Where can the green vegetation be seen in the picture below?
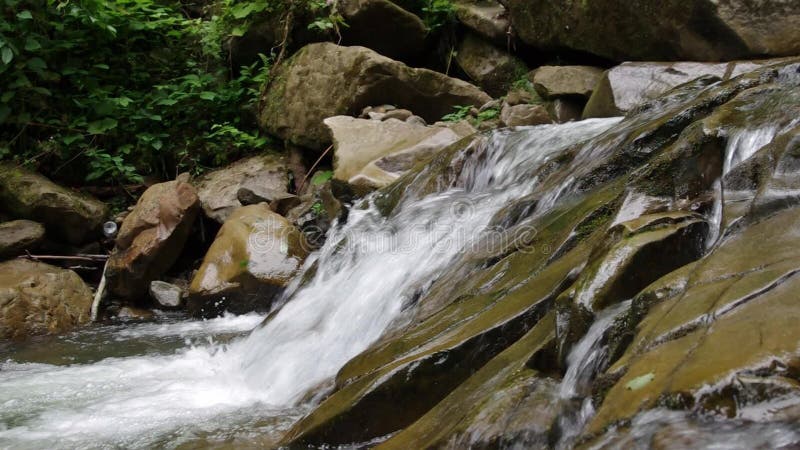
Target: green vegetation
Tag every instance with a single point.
(321, 176)
(122, 88)
(438, 13)
(460, 113)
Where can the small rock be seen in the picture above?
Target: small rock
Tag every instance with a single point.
(416, 120)
(399, 114)
(559, 81)
(282, 205)
(494, 104)
(131, 313)
(521, 96)
(524, 115)
(489, 67)
(165, 294)
(486, 18)
(376, 115)
(18, 236)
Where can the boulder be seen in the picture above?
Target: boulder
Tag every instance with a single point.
(36, 298)
(263, 175)
(402, 34)
(565, 109)
(486, 18)
(372, 153)
(151, 237)
(703, 30)
(254, 256)
(524, 115)
(324, 80)
(631, 84)
(19, 235)
(565, 81)
(66, 214)
(165, 294)
(492, 69)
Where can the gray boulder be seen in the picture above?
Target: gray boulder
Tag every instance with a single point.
(489, 67)
(19, 235)
(324, 80)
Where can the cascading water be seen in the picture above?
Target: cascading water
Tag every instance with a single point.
(368, 271)
(587, 359)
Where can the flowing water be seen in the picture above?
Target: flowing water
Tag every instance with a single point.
(180, 381)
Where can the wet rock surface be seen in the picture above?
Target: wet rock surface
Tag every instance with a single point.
(253, 257)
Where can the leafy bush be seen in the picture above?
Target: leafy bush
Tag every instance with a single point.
(113, 90)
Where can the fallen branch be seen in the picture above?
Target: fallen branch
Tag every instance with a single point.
(78, 257)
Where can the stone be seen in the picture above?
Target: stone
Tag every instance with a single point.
(705, 30)
(344, 81)
(487, 66)
(151, 238)
(376, 153)
(254, 256)
(524, 115)
(67, 215)
(165, 294)
(486, 18)
(36, 299)
(130, 313)
(402, 36)
(416, 120)
(624, 87)
(264, 175)
(523, 95)
(18, 236)
(565, 81)
(399, 114)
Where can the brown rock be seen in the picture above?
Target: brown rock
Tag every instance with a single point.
(36, 298)
(524, 115)
(18, 236)
(151, 238)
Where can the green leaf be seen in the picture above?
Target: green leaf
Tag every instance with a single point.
(208, 95)
(24, 15)
(6, 55)
(7, 96)
(32, 44)
(640, 382)
(69, 139)
(4, 112)
(36, 64)
(241, 10)
(321, 176)
(101, 126)
(41, 90)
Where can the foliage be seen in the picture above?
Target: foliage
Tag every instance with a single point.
(488, 114)
(460, 113)
(438, 13)
(110, 91)
(327, 18)
(321, 176)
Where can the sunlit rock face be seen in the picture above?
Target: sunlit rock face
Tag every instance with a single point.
(255, 254)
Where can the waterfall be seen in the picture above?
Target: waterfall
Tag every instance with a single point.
(367, 272)
(587, 359)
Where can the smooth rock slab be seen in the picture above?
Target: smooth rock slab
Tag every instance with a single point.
(373, 153)
(565, 81)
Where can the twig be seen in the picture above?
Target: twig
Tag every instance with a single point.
(311, 170)
(79, 257)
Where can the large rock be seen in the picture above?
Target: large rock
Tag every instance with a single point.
(68, 215)
(36, 298)
(565, 81)
(19, 235)
(402, 34)
(254, 256)
(151, 238)
(374, 154)
(324, 80)
(485, 17)
(219, 190)
(702, 30)
(489, 67)
(631, 84)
